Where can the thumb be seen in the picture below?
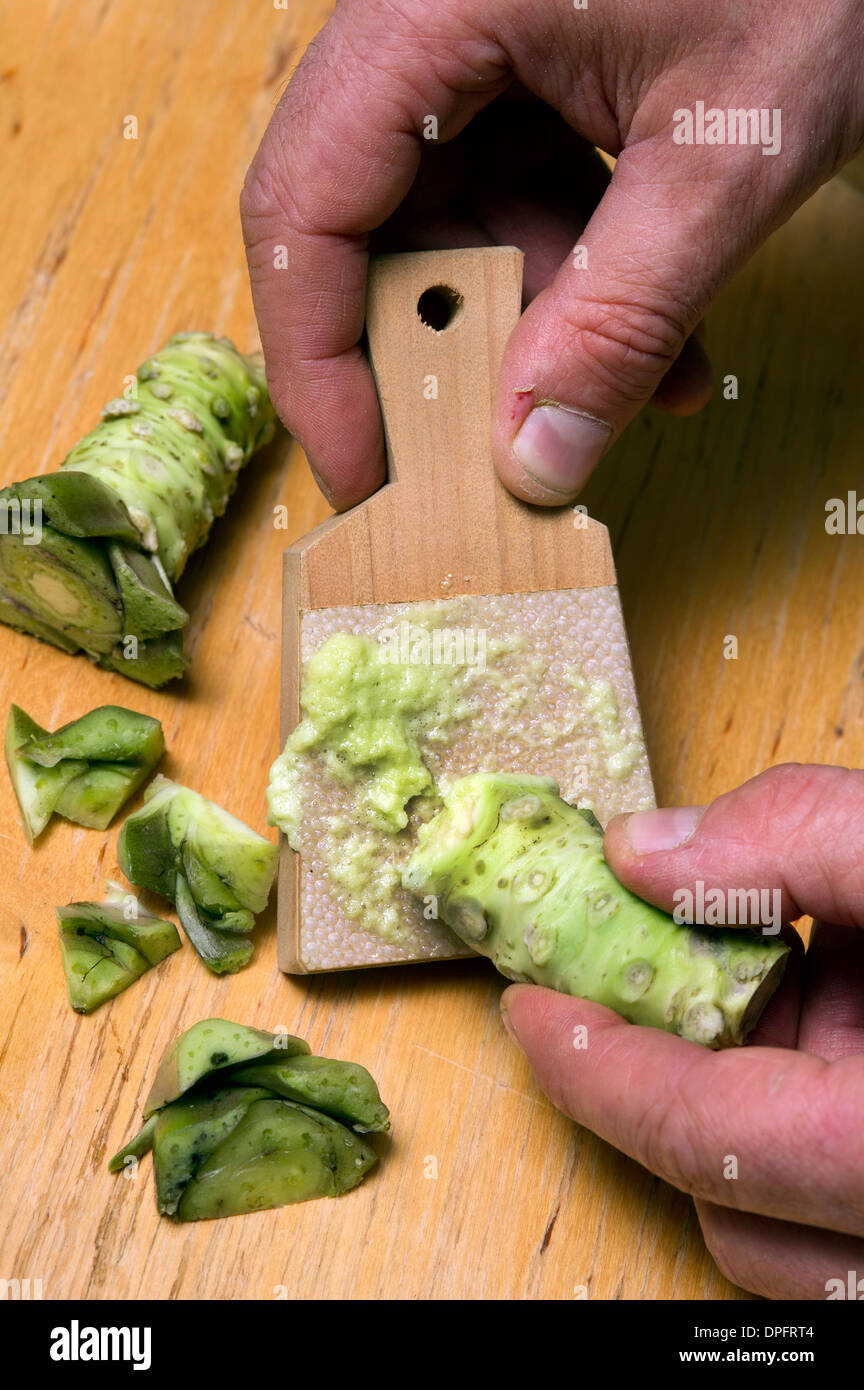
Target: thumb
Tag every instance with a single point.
(796, 830)
(595, 345)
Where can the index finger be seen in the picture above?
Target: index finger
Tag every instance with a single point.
(338, 157)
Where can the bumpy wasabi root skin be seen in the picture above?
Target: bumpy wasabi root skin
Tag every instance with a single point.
(520, 876)
(86, 771)
(131, 502)
(239, 1120)
(216, 870)
(104, 950)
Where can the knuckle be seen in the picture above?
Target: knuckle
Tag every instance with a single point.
(795, 812)
(255, 200)
(631, 345)
(669, 1141)
(265, 197)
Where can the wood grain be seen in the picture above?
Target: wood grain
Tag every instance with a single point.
(717, 526)
(443, 525)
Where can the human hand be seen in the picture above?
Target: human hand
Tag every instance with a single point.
(787, 1217)
(521, 94)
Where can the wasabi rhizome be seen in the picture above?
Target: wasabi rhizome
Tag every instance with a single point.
(128, 506)
(520, 876)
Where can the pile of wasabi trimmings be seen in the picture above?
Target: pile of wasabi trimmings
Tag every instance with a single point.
(215, 870)
(90, 567)
(238, 1120)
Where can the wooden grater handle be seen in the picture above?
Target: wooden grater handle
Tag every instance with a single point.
(437, 324)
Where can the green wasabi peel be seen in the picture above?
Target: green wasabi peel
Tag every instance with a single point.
(520, 876)
(225, 1143)
(217, 871)
(86, 771)
(104, 950)
(37, 789)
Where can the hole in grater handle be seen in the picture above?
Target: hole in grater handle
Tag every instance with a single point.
(440, 307)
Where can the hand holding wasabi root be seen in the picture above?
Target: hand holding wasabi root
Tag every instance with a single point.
(787, 1109)
(520, 875)
(240, 1120)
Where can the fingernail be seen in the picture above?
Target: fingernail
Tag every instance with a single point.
(559, 447)
(668, 828)
(505, 1019)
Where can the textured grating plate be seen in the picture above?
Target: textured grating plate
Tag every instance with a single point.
(556, 698)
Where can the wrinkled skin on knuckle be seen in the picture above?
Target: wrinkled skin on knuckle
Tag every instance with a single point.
(262, 206)
(628, 345)
(431, 51)
(669, 1143)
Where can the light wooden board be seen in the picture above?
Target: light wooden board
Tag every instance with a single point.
(717, 526)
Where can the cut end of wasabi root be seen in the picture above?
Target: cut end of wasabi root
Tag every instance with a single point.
(240, 1120)
(105, 949)
(216, 870)
(89, 554)
(85, 771)
(520, 876)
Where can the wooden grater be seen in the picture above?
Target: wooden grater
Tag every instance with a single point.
(443, 527)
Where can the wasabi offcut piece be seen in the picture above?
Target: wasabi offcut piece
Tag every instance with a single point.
(215, 869)
(85, 771)
(225, 1143)
(89, 555)
(104, 949)
(37, 788)
(520, 876)
(343, 1090)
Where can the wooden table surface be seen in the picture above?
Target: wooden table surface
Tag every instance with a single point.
(107, 246)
